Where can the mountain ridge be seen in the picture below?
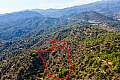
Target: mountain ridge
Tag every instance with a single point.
(106, 7)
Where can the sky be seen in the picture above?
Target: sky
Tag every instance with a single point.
(7, 6)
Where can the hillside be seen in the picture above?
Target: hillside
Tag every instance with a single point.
(19, 24)
(91, 16)
(97, 48)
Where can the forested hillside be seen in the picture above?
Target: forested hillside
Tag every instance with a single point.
(20, 24)
(94, 54)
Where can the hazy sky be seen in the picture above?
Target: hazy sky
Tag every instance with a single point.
(7, 6)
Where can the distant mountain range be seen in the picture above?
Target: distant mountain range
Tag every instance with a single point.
(107, 7)
(18, 24)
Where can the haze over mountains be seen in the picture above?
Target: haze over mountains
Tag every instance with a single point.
(107, 7)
